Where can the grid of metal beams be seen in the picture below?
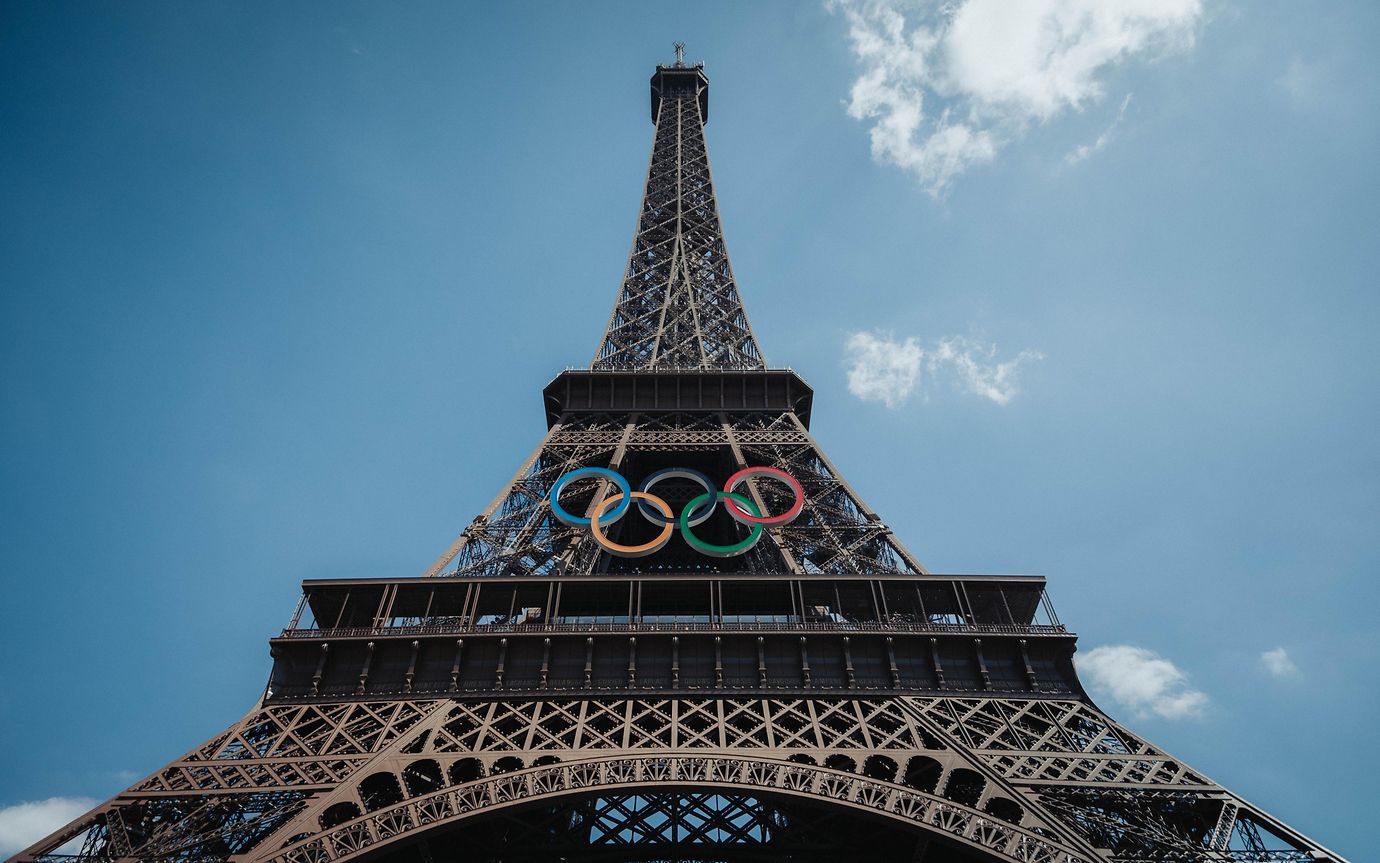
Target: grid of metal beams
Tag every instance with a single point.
(337, 781)
(837, 532)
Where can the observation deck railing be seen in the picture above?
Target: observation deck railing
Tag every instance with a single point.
(535, 628)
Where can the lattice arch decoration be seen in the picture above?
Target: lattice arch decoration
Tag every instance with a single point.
(426, 814)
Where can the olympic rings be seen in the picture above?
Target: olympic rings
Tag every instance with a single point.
(733, 550)
(560, 512)
(679, 473)
(742, 509)
(668, 527)
(756, 518)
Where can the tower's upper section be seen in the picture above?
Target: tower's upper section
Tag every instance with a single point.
(679, 307)
(667, 78)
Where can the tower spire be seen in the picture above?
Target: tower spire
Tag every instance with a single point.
(679, 307)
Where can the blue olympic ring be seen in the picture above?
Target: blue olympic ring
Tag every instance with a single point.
(560, 484)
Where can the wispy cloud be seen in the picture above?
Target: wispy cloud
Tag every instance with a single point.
(1305, 83)
(946, 83)
(23, 824)
(1085, 150)
(890, 370)
(1140, 680)
(1279, 663)
(977, 368)
(882, 369)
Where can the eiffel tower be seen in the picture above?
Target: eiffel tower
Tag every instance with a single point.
(677, 634)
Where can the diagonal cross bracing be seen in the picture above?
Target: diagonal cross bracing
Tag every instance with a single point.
(679, 307)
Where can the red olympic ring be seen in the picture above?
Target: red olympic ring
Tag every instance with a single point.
(745, 518)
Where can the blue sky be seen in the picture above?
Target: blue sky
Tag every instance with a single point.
(281, 285)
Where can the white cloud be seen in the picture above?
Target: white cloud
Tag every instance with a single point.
(975, 364)
(1278, 663)
(946, 83)
(1084, 151)
(23, 824)
(881, 368)
(1141, 680)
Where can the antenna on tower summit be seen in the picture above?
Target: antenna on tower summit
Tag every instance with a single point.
(680, 53)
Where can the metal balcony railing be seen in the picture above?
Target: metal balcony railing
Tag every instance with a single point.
(535, 628)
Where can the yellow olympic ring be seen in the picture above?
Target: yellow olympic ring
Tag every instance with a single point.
(597, 530)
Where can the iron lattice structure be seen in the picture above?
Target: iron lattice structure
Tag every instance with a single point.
(819, 697)
(679, 305)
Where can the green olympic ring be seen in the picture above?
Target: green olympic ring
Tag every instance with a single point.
(731, 550)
